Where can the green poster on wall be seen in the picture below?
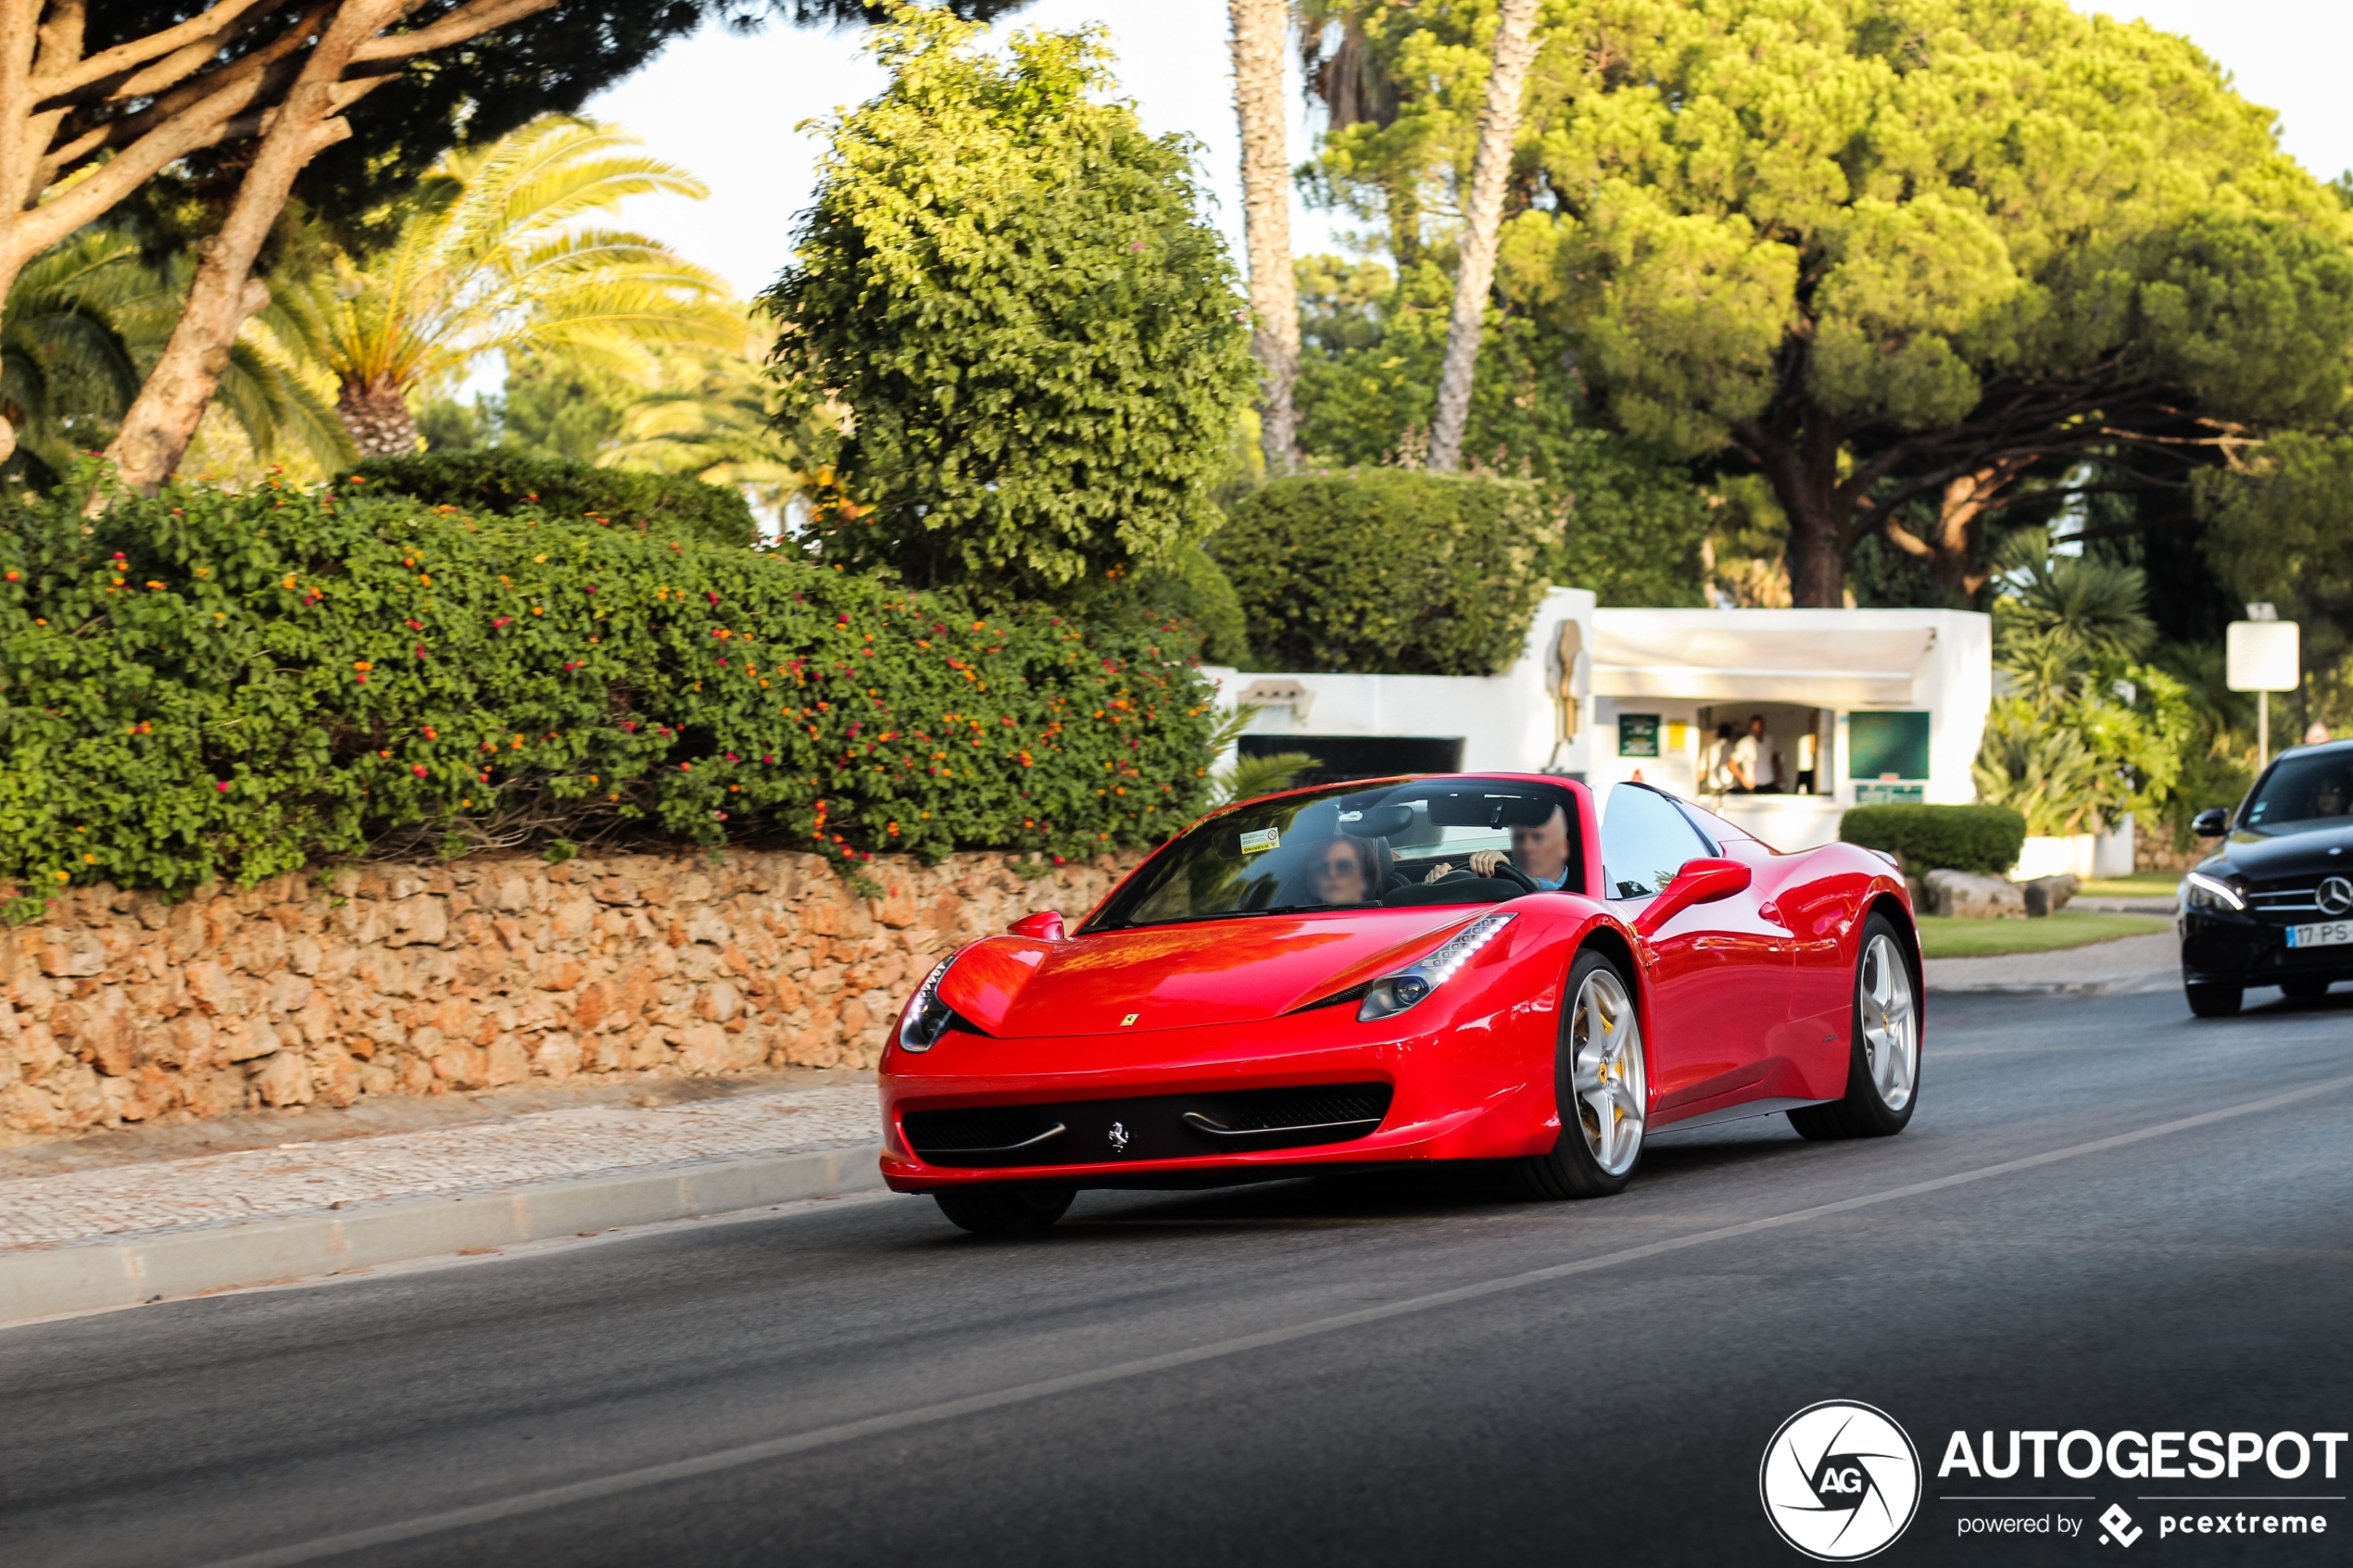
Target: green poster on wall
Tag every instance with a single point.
(1638, 734)
(1887, 745)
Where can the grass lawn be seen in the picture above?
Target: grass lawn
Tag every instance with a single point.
(2140, 884)
(1945, 937)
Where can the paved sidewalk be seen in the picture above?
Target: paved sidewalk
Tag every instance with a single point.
(79, 1240)
(300, 1178)
(2133, 964)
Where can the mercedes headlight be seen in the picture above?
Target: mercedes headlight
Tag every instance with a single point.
(926, 1018)
(2212, 893)
(1392, 993)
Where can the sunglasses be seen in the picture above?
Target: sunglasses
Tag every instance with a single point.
(1348, 866)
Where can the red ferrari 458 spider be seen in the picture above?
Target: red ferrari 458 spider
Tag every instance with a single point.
(1445, 967)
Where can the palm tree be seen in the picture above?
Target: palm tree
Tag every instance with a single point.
(87, 319)
(1259, 27)
(710, 414)
(490, 260)
(1482, 223)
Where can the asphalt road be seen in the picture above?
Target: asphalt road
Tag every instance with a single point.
(2105, 1216)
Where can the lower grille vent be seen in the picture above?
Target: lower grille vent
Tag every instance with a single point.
(1154, 1128)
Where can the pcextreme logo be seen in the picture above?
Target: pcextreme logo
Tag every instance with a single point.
(1840, 1481)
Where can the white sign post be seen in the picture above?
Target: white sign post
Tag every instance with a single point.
(2263, 655)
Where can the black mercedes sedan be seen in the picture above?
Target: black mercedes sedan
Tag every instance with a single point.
(2274, 906)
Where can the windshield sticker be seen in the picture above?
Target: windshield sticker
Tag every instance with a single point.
(1260, 840)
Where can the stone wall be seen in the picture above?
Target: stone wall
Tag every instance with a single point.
(490, 971)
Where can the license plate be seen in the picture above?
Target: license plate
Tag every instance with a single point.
(2327, 933)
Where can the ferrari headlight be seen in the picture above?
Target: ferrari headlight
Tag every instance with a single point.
(927, 1017)
(2211, 893)
(1392, 993)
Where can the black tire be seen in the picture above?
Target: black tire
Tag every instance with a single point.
(1570, 1169)
(2304, 988)
(1005, 1208)
(2212, 1001)
(1864, 1111)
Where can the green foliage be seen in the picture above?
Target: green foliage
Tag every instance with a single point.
(1389, 572)
(1368, 379)
(2085, 733)
(214, 685)
(503, 481)
(1009, 288)
(1188, 585)
(2282, 531)
(2079, 765)
(1983, 839)
(1921, 235)
(1247, 778)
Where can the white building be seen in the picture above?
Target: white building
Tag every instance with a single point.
(1858, 704)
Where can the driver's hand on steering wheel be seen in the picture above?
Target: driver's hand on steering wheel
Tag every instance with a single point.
(1482, 863)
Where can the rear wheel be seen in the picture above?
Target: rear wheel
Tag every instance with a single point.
(1604, 1089)
(1000, 1209)
(1884, 1064)
(2212, 1001)
(2304, 989)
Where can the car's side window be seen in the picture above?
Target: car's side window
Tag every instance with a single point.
(1644, 841)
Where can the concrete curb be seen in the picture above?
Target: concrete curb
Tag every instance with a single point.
(94, 1275)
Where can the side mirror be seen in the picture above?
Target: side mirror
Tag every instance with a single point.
(1700, 881)
(2212, 822)
(1046, 925)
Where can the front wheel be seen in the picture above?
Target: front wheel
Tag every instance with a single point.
(1004, 1208)
(2212, 1001)
(1603, 1088)
(1884, 1064)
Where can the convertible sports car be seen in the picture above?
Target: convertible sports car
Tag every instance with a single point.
(1468, 968)
(2273, 904)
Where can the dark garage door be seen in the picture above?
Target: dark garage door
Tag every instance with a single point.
(1342, 758)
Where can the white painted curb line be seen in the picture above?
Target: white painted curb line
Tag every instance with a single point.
(93, 1275)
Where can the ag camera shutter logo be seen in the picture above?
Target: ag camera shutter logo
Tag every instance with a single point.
(1840, 1481)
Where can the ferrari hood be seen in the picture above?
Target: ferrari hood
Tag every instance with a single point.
(1182, 976)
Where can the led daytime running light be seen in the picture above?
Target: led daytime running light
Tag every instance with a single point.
(1392, 993)
(927, 1017)
(2217, 889)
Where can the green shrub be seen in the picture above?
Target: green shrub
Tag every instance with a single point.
(512, 484)
(209, 684)
(1388, 571)
(1984, 839)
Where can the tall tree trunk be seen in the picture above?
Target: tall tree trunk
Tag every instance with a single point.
(1802, 465)
(1483, 218)
(1260, 27)
(376, 413)
(163, 418)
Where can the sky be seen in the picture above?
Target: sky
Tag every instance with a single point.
(725, 106)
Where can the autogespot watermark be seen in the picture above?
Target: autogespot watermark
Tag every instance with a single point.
(1840, 1481)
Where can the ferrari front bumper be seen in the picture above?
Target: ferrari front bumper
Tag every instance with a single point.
(1226, 1102)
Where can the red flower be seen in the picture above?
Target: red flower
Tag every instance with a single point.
(501, 621)
(220, 785)
(419, 769)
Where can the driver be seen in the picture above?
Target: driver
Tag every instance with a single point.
(1541, 853)
(1342, 872)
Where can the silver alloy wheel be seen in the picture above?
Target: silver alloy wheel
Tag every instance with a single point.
(1891, 1024)
(1605, 1071)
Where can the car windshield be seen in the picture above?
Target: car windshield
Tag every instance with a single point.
(1358, 847)
(2303, 793)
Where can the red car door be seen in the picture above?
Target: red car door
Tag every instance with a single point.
(1718, 973)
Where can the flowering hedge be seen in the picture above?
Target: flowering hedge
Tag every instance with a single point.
(210, 685)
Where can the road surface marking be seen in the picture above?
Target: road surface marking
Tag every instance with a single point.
(949, 1410)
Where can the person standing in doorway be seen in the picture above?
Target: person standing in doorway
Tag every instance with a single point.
(1755, 761)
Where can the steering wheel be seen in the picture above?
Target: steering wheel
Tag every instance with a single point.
(1503, 869)
(1510, 872)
